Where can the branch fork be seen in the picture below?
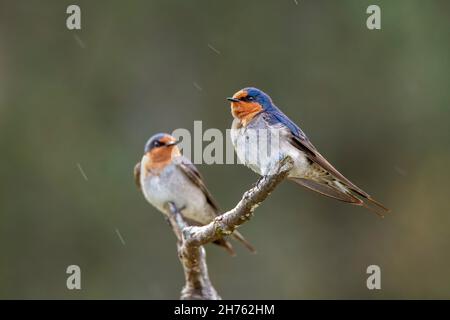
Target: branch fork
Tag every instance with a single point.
(191, 239)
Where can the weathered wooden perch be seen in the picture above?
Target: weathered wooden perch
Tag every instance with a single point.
(191, 238)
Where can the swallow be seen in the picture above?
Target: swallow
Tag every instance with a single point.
(255, 114)
(164, 175)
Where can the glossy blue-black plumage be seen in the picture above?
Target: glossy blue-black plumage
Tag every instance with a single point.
(273, 114)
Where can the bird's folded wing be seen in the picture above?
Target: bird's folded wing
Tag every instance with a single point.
(311, 152)
(194, 175)
(299, 140)
(137, 175)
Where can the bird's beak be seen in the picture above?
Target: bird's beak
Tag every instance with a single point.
(172, 143)
(232, 99)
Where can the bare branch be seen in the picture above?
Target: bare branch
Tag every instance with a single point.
(191, 239)
(193, 259)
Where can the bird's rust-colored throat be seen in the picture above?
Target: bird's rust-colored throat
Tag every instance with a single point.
(245, 111)
(161, 157)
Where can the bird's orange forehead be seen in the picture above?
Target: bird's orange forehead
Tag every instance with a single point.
(240, 94)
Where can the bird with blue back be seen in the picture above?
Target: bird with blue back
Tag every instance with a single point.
(263, 135)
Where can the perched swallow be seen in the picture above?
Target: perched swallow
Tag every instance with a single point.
(254, 110)
(164, 176)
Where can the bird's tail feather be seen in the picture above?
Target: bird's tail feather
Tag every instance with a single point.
(238, 236)
(226, 245)
(372, 201)
(343, 193)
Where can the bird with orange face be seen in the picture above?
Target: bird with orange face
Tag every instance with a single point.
(164, 175)
(256, 119)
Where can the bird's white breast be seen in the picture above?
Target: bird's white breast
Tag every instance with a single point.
(171, 185)
(260, 148)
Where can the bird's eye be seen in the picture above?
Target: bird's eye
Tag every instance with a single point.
(157, 143)
(250, 98)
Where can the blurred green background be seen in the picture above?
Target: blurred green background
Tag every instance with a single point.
(375, 103)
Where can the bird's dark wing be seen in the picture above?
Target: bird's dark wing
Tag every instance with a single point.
(275, 116)
(299, 140)
(137, 175)
(194, 175)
